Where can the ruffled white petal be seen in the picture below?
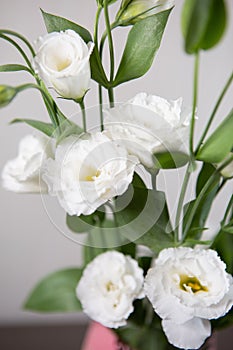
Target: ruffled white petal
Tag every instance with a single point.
(189, 335)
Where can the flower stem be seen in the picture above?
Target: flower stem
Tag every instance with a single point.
(178, 228)
(21, 37)
(227, 85)
(100, 93)
(195, 93)
(49, 105)
(14, 43)
(101, 108)
(111, 52)
(202, 193)
(228, 209)
(82, 106)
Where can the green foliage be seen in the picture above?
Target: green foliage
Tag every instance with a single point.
(219, 144)
(203, 24)
(57, 24)
(142, 44)
(84, 223)
(202, 211)
(13, 68)
(170, 160)
(56, 293)
(144, 218)
(46, 128)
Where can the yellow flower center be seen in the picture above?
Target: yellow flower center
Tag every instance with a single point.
(63, 64)
(110, 287)
(193, 284)
(92, 177)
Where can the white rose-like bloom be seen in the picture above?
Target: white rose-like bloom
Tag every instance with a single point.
(147, 124)
(62, 60)
(187, 288)
(22, 174)
(86, 173)
(108, 287)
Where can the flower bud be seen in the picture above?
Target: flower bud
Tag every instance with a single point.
(132, 11)
(7, 94)
(62, 61)
(227, 172)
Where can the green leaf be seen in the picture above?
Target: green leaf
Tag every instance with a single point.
(84, 223)
(219, 144)
(142, 44)
(223, 244)
(137, 335)
(97, 70)
(56, 293)
(13, 68)
(141, 220)
(46, 128)
(170, 160)
(203, 24)
(57, 24)
(198, 223)
(228, 229)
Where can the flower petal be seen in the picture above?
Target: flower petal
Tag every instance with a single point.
(189, 335)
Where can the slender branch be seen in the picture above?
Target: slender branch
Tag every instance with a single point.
(21, 37)
(52, 113)
(178, 228)
(195, 92)
(82, 105)
(111, 52)
(101, 108)
(228, 209)
(201, 195)
(227, 85)
(97, 26)
(14, 43)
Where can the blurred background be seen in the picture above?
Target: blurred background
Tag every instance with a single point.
(31, 246)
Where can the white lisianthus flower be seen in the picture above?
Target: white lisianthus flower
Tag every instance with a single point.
(86, 173)
(148, 124)
(108, 287)
(62, 60)
(187, 288)
(143, 8)
(22, 174)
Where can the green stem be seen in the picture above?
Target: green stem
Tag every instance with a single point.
(195, 93)
(101, 108)
(52, 113)
(111, 52)
(178, 228)
(228, 209)
(97, 26)
(99, 86)
(201, 195)
(82, 105)
(227, 85)
(11, 41)
(21, 37)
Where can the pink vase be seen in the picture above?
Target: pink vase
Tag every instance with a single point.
(99, 337)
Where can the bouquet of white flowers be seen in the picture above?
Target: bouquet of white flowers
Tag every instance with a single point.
(176, 291)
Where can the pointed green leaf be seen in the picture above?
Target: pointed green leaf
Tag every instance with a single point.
(97, 70)
(46, 128)
(219, 144)
(140, 220)
(57, 24)
(13, 68)
(142, 44)
(56, 293)
(170, 160)
(203, 24)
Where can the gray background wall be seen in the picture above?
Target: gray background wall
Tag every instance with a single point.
(30, 245)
